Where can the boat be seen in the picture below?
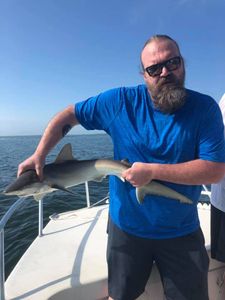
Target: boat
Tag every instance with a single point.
(67, 260)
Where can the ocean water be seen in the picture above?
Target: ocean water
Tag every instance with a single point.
(22, 228)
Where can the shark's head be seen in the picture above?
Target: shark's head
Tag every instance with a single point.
(27, 184)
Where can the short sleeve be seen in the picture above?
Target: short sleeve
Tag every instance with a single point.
(212, 144)
(98, 112)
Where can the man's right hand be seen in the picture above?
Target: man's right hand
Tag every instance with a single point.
(34, 162)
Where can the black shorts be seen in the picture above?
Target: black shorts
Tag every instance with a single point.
(217, 234)
(182, 262)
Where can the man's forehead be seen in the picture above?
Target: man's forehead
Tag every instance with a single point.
(158, 50)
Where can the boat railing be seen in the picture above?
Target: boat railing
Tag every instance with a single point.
(206, 191)
(17, 205)
(3, 223)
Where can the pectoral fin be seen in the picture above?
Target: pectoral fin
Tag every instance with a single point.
(62, 188)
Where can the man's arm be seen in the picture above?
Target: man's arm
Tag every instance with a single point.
(195, 172)
(57, 128)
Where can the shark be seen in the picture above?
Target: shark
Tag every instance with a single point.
(66, 172)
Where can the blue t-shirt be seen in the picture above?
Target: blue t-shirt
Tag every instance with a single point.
(140, 133)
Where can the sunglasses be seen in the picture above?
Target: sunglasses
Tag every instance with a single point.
(170, 64)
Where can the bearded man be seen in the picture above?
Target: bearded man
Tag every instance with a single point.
(168, 133)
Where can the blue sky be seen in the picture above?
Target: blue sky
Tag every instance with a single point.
(57, 52)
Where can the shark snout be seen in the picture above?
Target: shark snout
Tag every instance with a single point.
(25, 179)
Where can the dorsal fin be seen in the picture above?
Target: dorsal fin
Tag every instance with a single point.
(65, 154)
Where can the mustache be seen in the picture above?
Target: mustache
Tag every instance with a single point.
(169, 79)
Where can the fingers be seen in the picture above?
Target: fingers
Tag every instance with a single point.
(138, 175)
(125, 174)
(21, 169)
(31, 163)
(129, 176)
(39, 171)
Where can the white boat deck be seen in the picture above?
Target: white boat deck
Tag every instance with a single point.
(69, 261)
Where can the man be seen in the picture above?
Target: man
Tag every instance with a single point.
(170, 134)
(218, 211)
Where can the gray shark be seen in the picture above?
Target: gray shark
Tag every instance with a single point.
(66, 172)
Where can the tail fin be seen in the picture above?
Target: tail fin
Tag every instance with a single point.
(156, 188)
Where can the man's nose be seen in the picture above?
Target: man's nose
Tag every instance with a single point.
(164, 72)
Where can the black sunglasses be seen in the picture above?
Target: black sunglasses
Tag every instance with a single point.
(171, 65)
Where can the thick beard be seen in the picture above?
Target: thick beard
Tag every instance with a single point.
(169, 95)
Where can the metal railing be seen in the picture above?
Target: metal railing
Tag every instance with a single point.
(16, 206)
(206, 191)
(3, 223)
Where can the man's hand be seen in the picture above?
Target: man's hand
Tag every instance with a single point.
(139, 174)
(34, 162)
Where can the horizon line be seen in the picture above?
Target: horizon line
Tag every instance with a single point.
(39, 135)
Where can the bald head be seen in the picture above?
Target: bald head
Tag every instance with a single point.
(155, 44)
(160, 37)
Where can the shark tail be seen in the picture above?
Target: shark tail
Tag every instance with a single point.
(158, 189)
